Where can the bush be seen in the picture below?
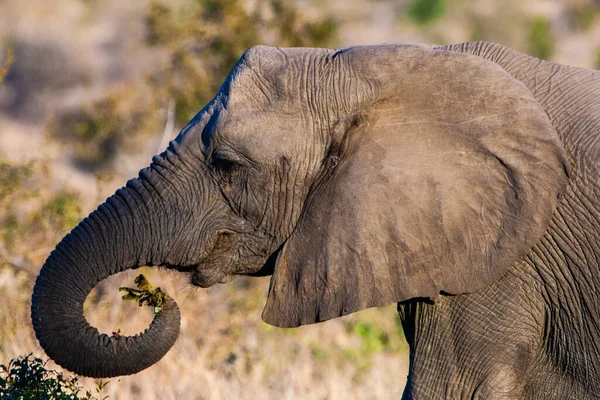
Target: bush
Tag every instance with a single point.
(26, 378)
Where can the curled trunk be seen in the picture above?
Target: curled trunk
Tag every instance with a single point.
(145, 223)
(110, 240)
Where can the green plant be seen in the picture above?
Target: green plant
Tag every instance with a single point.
(147, 293)
(319, 353)
(373, 338)
(26, 378)
(424, 12)
(12, 188)
(541, 41)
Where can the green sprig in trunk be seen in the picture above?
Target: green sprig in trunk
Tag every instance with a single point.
(147, 294)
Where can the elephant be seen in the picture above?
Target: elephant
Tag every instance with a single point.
(460, 182)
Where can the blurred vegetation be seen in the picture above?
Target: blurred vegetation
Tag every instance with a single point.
(492, 25)
(5, 66)
(373, 340)
(425, 12)
(12, 177)
(97, 132)
(205, 38)
(27, 378)
(541, 39)
(62, 211)
(33, 215)
(582, 14)
(199, 42)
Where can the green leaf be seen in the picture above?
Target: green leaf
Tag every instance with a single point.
(148, 294)
(142, 283)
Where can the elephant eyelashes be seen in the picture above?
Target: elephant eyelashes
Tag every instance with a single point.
(225, 167)
(228, 171)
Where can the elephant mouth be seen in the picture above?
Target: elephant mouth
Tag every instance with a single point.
(203, 275)
(181, 268)
(215, 266)
(204, 280)
(222, 263)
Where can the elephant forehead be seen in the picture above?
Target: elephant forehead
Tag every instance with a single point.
(265, 75)
(263, 136)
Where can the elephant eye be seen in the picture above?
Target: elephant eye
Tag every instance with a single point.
(226, 166)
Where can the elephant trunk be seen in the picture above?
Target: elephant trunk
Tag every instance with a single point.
(124, 232)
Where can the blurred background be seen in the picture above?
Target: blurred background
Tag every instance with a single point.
(91, 89)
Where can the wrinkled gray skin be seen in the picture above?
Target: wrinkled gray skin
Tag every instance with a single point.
(460, 182)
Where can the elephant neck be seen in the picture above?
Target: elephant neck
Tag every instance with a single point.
(468, 347)
(567, 268)
(473, 345)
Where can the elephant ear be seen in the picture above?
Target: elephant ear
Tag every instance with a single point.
(436, 184)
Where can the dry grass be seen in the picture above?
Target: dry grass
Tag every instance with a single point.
(225, 351)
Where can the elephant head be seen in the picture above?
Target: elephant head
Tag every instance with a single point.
(357, 178)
